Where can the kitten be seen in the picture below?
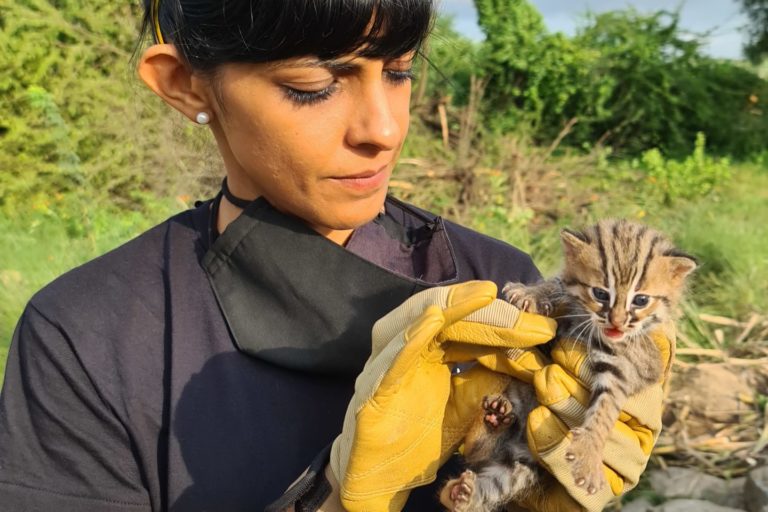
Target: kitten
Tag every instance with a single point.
(619, 281)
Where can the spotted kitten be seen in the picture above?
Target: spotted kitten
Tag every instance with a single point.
(619, 280)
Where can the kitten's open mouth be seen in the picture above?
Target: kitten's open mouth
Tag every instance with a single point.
(613, 333)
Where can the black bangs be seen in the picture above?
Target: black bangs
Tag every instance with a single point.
(210, 32)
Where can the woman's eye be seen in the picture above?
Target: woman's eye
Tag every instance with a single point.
(640, 301)
(600, 294)
(398, 76)
(302, 97)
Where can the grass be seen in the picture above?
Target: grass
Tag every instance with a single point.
(50, 239)
(726, 230)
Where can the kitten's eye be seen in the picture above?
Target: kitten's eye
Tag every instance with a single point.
(640, 301)
(600, 294)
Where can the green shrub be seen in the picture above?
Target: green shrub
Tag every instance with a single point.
(694, 177)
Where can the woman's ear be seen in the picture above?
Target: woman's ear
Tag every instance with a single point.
(165, 72)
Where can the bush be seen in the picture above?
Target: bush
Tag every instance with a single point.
(72, 114)
(694, 177)
(633, 81)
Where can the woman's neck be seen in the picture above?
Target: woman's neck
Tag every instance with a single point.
(228, 212)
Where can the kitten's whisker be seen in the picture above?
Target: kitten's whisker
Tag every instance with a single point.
(572, 316)
(578, 328)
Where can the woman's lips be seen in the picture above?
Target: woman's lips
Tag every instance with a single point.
(364, 181)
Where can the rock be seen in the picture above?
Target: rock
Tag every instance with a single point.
(756, 490)
(689, 483)
(710, 393)
(638, 505)
(693, 506)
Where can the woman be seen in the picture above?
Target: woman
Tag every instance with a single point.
(205, 364)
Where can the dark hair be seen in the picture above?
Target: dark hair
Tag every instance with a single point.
(209, 33)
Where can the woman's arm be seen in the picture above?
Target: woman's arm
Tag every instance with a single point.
(61, 445)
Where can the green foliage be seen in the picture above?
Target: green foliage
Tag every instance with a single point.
(454, 60)
(56, 234)
(72, 115)
(659, 90)
(756, 47)
(727, 233)
(643, 59)
(633, 81)
(513, 32)
(696, 176)
(498, 219)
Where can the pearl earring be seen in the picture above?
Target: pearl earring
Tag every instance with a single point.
(203, 118)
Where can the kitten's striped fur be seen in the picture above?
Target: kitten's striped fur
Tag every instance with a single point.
(619, 280)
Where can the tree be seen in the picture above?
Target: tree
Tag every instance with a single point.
(756, 47)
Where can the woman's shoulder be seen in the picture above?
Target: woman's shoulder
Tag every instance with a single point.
(479, 256)
(134, 271)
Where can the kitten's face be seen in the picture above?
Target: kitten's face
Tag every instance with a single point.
(626, 278)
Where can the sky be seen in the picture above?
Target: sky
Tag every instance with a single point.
(720, 18)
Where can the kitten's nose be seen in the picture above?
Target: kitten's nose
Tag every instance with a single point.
(617, 319)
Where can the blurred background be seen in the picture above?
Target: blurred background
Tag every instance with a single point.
(528, 116)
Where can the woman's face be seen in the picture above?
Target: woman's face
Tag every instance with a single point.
(318, 139)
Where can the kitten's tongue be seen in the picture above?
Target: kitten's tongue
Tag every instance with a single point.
(613, 333)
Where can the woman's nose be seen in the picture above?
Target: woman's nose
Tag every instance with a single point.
(374, 122)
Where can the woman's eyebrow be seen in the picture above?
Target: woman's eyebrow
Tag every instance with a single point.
(336, 66)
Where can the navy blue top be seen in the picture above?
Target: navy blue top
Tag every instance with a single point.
(124, 390)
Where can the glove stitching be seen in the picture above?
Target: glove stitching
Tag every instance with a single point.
(413, 445)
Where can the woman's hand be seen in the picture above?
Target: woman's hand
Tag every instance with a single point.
(408, 414)
(563, 391)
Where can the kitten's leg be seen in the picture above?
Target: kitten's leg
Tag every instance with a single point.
(542, 298)
(458, 495)
(585, 452)
(484, 441)
(494, 485)
(491, 487)
(489, 431)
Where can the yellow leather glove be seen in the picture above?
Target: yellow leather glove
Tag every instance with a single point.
(561, 391)
(408, 415)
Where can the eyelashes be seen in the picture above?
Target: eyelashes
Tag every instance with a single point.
(303, 98)
(307, 98)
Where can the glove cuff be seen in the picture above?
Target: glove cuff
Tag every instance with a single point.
(308, 492)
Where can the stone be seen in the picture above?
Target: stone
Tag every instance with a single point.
(710, 393)
(638, 505)
(756, 490)
(690, 483)
(693, 506)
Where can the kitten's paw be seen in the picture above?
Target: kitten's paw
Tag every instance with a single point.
(497, 412)
(584, 456)
(523, 297)
(457, 494)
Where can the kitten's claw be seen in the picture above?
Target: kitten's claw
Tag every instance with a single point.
(577, 432)
(584, 455)
(526, 298)
(498, 412)
(457, 494)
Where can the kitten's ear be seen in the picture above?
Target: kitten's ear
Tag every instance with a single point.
(680, 265)
(575, 243)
